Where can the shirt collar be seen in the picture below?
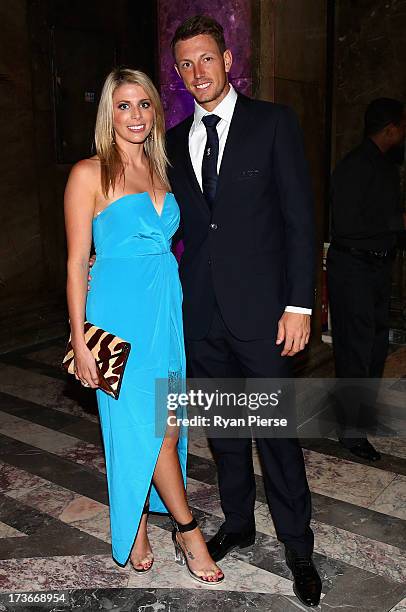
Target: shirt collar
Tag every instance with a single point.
(224, 110)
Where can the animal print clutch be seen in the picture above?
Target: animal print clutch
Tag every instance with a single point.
(110, 353)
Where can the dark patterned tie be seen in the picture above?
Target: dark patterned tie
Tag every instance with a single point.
(210, 157)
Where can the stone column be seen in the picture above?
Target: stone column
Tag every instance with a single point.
(291, 43)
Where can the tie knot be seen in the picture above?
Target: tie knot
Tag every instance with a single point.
(210, 121)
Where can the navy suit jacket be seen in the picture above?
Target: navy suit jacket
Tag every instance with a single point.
(253, 253)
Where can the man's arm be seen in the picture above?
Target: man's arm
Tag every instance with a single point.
(297, 208)
(349, 203)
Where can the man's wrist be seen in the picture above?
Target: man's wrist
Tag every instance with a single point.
(298, 310)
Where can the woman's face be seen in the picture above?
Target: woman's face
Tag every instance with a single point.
(133, 114)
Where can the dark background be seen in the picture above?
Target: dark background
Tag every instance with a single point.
(326, 59)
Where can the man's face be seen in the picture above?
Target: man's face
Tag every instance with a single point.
(398, 132)
(203, 69)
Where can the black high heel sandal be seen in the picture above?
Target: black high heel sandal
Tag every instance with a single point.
(181, 557)
(147, 569)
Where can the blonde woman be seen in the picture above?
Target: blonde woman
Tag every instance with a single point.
(121, 198)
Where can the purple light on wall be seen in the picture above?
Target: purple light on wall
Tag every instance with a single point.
(235, 17)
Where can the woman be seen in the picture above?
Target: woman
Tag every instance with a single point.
(121, 198)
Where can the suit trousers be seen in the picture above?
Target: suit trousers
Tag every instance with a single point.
(359, 289)
(222, 355)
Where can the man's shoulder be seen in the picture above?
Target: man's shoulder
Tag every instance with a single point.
(260, 109)
(356, 157)
(265, 107)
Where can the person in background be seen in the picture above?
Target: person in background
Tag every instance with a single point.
(366, 217)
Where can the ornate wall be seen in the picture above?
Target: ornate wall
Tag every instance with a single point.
(32, 242)
(236, 18)
(370, 58)
(20, 222)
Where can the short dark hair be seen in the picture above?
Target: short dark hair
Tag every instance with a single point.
(382, 112)
(200, 24)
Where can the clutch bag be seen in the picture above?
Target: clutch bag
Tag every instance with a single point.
(110, 353)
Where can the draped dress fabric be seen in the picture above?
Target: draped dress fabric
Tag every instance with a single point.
(136, 294)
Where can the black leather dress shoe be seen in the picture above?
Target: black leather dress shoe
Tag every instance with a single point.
(306, 580)
(361, 447)
(222, 543)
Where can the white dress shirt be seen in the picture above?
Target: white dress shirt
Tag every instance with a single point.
(197, 143)
(198, 134)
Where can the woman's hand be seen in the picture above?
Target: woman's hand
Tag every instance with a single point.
(85, 367)
(92, 261)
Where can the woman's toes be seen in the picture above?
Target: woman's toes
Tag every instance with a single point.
(210, 576)
(143, 564)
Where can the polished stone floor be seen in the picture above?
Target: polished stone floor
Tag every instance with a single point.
(54, 516)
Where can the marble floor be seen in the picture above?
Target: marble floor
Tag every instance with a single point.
(54, 515)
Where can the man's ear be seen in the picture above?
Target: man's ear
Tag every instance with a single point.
(177, 69)
(228, 59)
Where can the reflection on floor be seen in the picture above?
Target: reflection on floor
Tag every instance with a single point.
(54, 521)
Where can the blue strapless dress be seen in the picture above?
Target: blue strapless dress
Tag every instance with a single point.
(136, 294)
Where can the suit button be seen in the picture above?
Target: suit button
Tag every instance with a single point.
(213, 226)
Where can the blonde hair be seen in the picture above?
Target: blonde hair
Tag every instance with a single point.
(112, 166)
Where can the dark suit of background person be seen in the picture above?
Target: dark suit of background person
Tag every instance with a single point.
(366, 215)
(245, 260)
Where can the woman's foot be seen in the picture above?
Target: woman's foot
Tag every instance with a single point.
(197, 556)
(141, 557)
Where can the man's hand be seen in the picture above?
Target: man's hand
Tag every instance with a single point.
(294, 329)
(92, 261)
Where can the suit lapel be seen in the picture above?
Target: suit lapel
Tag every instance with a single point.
(237, 135)
(190, 173)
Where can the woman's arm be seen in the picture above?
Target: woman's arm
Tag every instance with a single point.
(79, 210)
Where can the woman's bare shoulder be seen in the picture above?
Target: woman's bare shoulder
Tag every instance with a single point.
(87, 167)
(86, 171)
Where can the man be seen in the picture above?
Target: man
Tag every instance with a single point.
(366, 215)
(240, 178)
